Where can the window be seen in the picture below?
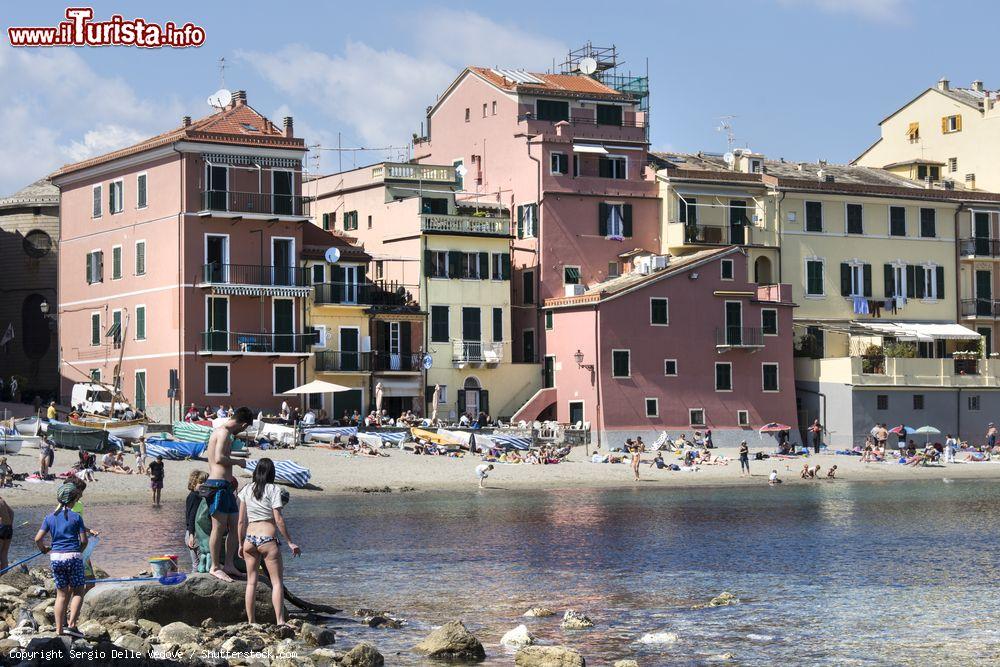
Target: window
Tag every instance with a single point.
(814, 278)
(528, 287)
(95, 267)
(115, 330)
(473, 265)
(468, 114)
(927, 281)
(494, 108)
(140, 258)
(882, 402)
(951, 124)
(814, 216)
(953, 164)
(439, 324)
(116, 196)
(621, 363)
(652, 407)
(140, 191)
(932, 172)
(528, 346)
(614, 221)
(614, 269)
(609, 114)
(500, 266)
(575, 412)
(140, 322)
(485, 107)
(558, 163)
(318, 274)
(612, 166)
(369, 222)
(918, 401)
(855, 279)
(548, 320)
(687, 210)
(527, 218)
(571, 275)
(769, 377)
(696, 416)
(973, 403)
(217, 379)
(498, 325)
(670, 367)
(350, 221)
(727, 269)
(659, 312)
(116, 262)
(769, 321)
(742, 417)
(95, 374)
(97, 202)
(913, 132)
(927, 223)
(326, 222)
(855, 220)
(95, 329)
(551, 110)
(140, 390)
(438, 263)
(380, 269)
(897, 221)
(723, 376)
(284, 379)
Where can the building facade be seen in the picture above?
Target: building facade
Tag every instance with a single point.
(180, 257)
(29, 241)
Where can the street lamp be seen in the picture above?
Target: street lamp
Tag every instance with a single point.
(578, 358)
(44, 306)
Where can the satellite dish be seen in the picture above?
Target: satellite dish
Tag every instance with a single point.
(729, 158)
(220, 99)
(588, 65)
(332, 255)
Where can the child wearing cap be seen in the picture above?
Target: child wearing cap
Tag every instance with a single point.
(68, 541)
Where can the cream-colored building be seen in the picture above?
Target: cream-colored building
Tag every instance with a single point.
(943, 134)
(452, 256)
(872, 258)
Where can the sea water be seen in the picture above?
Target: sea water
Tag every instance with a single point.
(828, 573)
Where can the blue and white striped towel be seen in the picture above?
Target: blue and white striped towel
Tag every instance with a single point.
(289, 472)
(514, 441)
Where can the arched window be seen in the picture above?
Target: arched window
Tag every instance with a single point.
(37, 243)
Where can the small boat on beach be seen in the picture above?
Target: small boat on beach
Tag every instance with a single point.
(67, 435)
(132, 429)
(11, 443)
(29, 425)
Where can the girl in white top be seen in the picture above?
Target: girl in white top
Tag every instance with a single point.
(259, 524)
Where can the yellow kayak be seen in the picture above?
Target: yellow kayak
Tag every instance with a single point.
(431, 436)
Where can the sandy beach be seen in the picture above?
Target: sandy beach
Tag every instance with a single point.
(336, 472)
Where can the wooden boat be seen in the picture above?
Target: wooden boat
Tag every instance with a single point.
(436, 437)
(29, 426)
(78, 437)
(11, 444)
(132, 429)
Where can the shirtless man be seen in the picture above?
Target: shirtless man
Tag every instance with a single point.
(222, 505)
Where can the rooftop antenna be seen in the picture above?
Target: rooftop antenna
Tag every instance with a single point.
(222, 70)
(727, 127)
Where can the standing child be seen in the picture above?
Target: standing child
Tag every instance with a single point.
(69, 539)
(482, 472)
(140, 456)
(156, 479)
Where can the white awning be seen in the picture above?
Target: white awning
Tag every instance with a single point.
(400, 387)
(589, 148)
(919, 332)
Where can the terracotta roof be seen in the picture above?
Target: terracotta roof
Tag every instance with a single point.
(559, 84)
(238, 123)
(316, 241)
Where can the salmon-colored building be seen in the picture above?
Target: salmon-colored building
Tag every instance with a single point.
(189, 242)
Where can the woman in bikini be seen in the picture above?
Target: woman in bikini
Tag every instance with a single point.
(259, 524)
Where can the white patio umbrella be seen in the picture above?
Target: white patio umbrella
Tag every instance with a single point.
(928, 431)
(434, 403)
(378, 398)
(317, 387)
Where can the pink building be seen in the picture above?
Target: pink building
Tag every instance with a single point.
(567, 153)
(676, 344)
(189, 242)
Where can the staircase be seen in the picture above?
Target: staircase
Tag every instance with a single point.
(541, 399)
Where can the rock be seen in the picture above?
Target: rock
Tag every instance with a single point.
(292, 661)
(135, 644)
(284, 632)
(235, 645)
(626, 663)
(724, 600)
(55, 649)
(8, 644)
(518, 637)
(363, 655)
(314, 635)
(548, 656)
(149, 627)
(576, 621)
(383, 622)
(722, 657)
(178, 633)
(199, 597)
(93, 630)
(659, 638)
(539, 612)
(326, 657)
(452, 641)
(6, 589)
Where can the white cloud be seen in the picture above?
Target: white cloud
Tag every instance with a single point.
(882, 11)
(379, 95)
(57, 110)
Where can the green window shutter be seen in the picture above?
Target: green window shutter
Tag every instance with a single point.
(911, 281)
(326, 221)
(428, 263)
(868, 279)
(140, 259)
(505, 265)
(520, 222)
(461, 401)
(484, 401)
(99, 260)
(455, 263)
(627, 220)
(602, 219)
(90, 268)
(95, 330)
(140, 323)
(484, 266)
(890, 280)
(920, 292)
(845, 279)
(940, 282)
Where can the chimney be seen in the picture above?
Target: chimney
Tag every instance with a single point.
(942, 84)
(987, 103)
(239, 98)
(186, 121)
(977, 86)
(289, 127)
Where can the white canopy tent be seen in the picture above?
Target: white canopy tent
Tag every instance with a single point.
(317, 387)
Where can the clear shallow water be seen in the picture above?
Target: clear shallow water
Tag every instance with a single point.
(838, 574)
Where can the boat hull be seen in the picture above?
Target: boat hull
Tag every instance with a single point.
(132, 430)
(78, 437)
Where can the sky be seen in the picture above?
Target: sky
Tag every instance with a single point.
(803, 79)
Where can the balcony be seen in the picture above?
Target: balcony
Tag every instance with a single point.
(717, 234)
(583, 124)
(254, 279)
(255, 344)
(877, 371)
(464, 224)
(979, 247)
(396, 362)
(730, 338)
(981, 308)
(416, 173)
(361, 294)
(343, 362)
(257, 205)
(476, 352)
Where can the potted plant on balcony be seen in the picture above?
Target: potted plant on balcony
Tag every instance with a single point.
(873, 360)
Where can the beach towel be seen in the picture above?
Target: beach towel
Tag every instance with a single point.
(517, 442)
(289, 472)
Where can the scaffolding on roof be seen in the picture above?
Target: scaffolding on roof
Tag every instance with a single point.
(608, 72)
